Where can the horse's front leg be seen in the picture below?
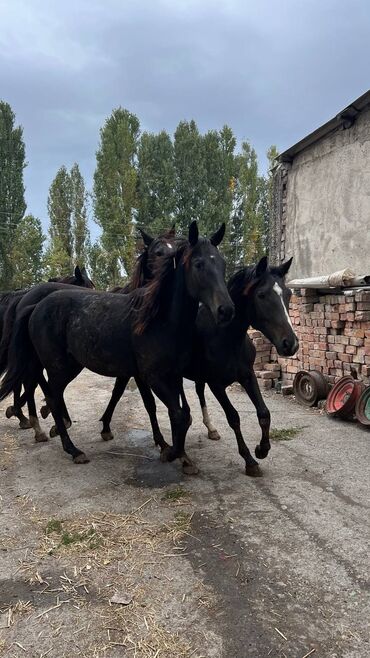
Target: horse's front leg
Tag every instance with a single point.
(212, 431)
(250, 384)
(251, 466)
(171, 393)
(150, 406)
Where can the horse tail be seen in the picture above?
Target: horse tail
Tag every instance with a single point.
(7, 333)
(19, 354)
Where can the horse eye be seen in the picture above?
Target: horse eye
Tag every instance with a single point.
(261, 295)
(199, 264)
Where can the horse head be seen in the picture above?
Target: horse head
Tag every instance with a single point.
(205, 274)
(268, 305)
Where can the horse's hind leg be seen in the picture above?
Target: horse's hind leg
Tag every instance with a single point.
(16, 409)
(212, 431)
(66, 418)
(118, 390)
(250, 384)
(251, 466)
(150, 406)
(30, 387)
(53, 391)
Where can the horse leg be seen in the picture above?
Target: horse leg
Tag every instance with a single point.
(16, 409)
(53, 391)
(118, 390)
(170, 392)
(150, 406)
(66, 419)
(212, 431)
(30, 387)
(251, 466)
(250, 384)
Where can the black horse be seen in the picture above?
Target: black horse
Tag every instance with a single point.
(154, 249)
(146, 334)
(224, 355)
(16, 301)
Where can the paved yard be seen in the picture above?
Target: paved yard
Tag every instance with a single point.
(126, 556)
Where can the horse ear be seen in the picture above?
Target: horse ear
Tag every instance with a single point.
(172, 232)
(78, 273)
(146, 237)
(83, 271)
(217, 237)
(193, 233)
(261, 266)
(283, 269)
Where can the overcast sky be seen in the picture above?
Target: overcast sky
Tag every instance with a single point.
(272, 69)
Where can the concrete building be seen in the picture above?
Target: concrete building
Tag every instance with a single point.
(322, 197)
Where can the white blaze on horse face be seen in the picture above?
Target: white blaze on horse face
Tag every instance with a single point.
(169, 245)
(279, 292)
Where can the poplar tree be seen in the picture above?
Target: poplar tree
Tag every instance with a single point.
(190, 185)
(59, 255)
(27, 252)
(156, 182)
(115, 181)
(79, 216)
(12, 203)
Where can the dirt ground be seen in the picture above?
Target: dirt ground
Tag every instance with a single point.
(126, 556)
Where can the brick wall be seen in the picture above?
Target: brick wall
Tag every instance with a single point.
(334, 337)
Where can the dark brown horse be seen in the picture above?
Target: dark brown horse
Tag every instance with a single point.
(146, 334)
(9, 303)
(224, 355)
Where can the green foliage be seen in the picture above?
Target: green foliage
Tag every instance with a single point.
(156, 182)
(79, 216)
(59, 254)
(68, 231)
(12, 203)
(190, 184)
(27, 252)
(115, 181)
(99, 266)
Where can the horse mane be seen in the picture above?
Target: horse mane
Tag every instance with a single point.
(149, 300)
(239, 281)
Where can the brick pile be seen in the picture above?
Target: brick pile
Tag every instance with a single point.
(267, 370)
(333, 332)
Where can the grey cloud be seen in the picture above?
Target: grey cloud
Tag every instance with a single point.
(272, 70)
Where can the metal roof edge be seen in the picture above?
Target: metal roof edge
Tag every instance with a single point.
(344, 119)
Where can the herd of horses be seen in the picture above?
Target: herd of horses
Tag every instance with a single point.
(176, 318)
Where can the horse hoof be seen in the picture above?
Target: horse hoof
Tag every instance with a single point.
(261, 453)
(53, 432)
(41, 438)
(253, 471)
(165, 454)
(107, 436)
(213, 435)
(24, 424)
(45, 411)
(9, 412)
(81, 459)
(190, 469)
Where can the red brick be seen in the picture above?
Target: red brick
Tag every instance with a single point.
(362, 316)
(345, 357)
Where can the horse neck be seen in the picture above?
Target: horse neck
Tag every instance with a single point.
(242, 317)
(182, 308)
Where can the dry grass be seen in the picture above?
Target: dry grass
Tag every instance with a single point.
(102, 554)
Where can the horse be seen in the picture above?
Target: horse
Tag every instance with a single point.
(146, 334)
(154, 249)
(224, 355)
(9, 306)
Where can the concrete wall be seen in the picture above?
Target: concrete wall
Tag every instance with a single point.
(327, 225)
